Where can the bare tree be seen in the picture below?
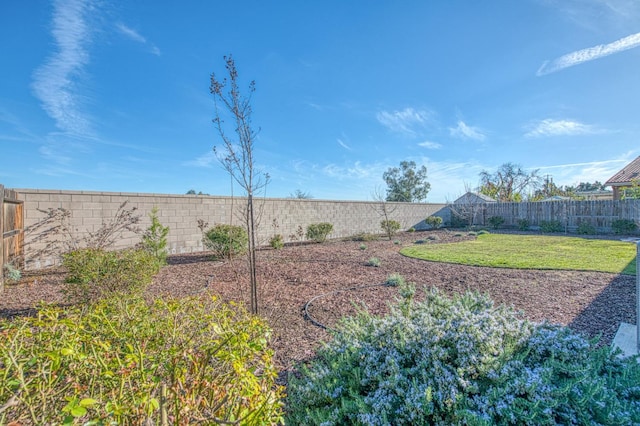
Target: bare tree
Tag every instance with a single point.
(384, 209)
(508, 183)
(236, 154)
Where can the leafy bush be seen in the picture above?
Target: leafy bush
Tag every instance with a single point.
(396, 242)
(277, 241)
(524, 224)
(586, 229)
(434, 222)
(461, 361)
(318, 232)
(226, 241)
(95, 273)
(363, 246)
(12, 273)
(623, 226)
(154, 238)
(496, 221)
(549, 226)
(412, 229)
(390, 227)
(109, 363)
(374, 261)
(433, 238)
(395, 280)
(363, 236)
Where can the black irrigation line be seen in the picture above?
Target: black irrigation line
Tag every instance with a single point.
(305, 308)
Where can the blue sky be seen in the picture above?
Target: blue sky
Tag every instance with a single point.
(113, 95)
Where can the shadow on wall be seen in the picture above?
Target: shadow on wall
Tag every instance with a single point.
(444, 213)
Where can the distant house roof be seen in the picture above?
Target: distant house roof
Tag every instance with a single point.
(474, 197)
(556, 198)
(625, 176)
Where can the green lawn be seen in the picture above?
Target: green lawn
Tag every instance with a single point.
(533, 252)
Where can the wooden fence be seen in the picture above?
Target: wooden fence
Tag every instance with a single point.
(597, 213)
(11, 230)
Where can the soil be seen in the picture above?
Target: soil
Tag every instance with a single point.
(336, 276)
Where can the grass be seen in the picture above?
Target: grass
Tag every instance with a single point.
(533, 252)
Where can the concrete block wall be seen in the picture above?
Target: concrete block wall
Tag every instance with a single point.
(89, 210)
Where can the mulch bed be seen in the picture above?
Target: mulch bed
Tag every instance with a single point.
(592, 303)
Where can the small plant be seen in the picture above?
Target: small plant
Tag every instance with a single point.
(277, 242)
(395, 280)
(412, 229)
(419, 242)
(480, 232)
(586, 229)
(434, 222)
(433, 238)
(396, 242)
(363, 246)
(363, 236)
(390, 227)
(318, 232)
(298, 235)
(523, 224)
(623, 226)
(373, 261)
(226, 241)
(154, 238)
(496, 221)
(549, 226)
(458, 234)
(13, 274)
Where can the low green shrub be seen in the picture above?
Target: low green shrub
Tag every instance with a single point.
(94, 273)
(623, 226)
(459, 221)
(586, 229)
(363, 246)
(396, 242)
(496, 221)
(395, 280)
(373, 261)
(433, 238)
(461, 361)
(226, 241)
(277, 241)
(318, 232)
(549, 226)
(434, 222)
(524, 224)
(390, 227)
(11, 273)
(363, 236)
(412, 229)
(109, 363)
(154, 238)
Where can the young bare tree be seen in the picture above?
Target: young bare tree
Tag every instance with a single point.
(385, 210)
(237, 154)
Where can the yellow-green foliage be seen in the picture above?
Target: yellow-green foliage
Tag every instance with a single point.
(109, 363)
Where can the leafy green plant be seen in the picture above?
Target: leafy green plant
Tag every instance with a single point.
(549, 226)
(586, 228)
(433, 238)
(12, 273)
(363, 246)
(623, 226)
(125, 361)
(395, 280)
(496, 221)
(523, 224)
(373, 261)
(226, 241)
(277, 241)
(412, 229)
(95, 273)
(318, 232)
(434, 222)
(390, 227)
(461, 361)
(154, 238)
(396, 242)
(363, 236)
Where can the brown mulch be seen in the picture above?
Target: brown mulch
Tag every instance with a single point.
(336, 275)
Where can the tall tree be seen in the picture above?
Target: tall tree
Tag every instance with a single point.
(407, 184)
(509, 183)
(237, 153)
(550, 189)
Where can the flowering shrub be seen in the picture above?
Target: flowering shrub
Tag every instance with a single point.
(123, 361)
(461, 361)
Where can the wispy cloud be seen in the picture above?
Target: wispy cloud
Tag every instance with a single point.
(134, 35)
(464, 131)
(55, 83)
(205, 160)
(344, 145)
(550, 127)
(589, 54)
(430, 145)
(574, 173)
(408, 121)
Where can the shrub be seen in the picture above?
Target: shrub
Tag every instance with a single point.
(524, 224)
(390, 227)
(226, 241)
(433, 238)
(586, 229)
(363, 236)
(12, 273)
(318, 232)
(549, 226)
(481, 232)
(623, 226)
(496, 221)
(461, 361)
(396, 242)
(395, 280)
(109, 363)
(363, 246)
(154, 238)
(434, 222)
(373, 261)
(412, 229)
(95, 273)
(459, 221)
(277, 241)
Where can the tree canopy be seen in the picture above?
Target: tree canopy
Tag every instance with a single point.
(407, 183)
(510, 182)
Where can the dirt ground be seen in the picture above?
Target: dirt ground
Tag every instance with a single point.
(337, 276)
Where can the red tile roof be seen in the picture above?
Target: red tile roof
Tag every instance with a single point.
(630, 172)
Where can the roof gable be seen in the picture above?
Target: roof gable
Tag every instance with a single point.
(629, 173)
